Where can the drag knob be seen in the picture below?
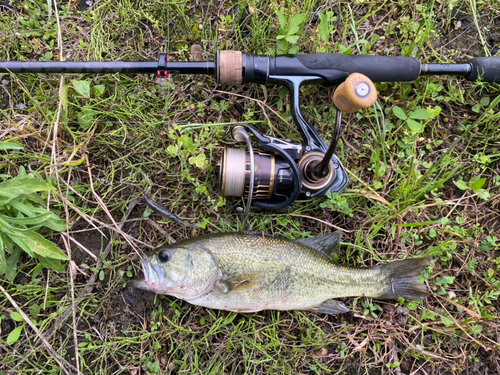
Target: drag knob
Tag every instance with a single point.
(356, 92)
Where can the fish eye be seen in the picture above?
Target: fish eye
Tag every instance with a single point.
(164, 256)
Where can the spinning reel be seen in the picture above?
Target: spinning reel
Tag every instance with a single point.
(282, 170)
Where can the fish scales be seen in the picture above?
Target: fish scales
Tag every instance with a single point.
(248, 272)
(311, 272)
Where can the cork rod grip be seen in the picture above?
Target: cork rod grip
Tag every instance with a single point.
(356, 92)
(230, 68)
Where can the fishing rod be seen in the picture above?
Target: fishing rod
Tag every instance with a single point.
(282, 170)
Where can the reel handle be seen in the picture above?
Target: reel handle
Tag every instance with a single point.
(356, 92)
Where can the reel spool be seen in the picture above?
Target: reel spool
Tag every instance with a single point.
(270, 178)
(273, 179)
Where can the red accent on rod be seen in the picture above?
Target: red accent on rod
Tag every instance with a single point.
(165, 73)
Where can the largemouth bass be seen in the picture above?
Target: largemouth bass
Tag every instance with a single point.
(249, 271)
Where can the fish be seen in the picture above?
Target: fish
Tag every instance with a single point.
(251, 271)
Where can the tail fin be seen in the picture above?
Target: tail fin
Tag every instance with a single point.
(402, 279)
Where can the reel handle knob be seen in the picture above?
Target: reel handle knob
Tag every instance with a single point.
(356, 92)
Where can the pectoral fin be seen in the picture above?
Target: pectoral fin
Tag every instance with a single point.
(325, 245)
(239, 283)
(330, 306)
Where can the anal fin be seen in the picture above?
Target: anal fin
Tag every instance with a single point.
(330, 307)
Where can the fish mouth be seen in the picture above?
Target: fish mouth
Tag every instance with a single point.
(153, 276)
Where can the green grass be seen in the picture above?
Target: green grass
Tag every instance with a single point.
(429, 186)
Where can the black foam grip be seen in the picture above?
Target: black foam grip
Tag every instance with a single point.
(486, 69)
(377, 68)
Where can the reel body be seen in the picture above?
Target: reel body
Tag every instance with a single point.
(282, 172)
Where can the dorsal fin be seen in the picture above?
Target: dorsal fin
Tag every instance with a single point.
(325, 245)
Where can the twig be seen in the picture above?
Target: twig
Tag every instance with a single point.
(458, 324)
(54, 170)
(420, 350)
(259, 102)
(468, 311)
(103, 206)
(321, 221)
(366, 193)
(476, 23)
(90, 253)
(90, 283)
(60, 360)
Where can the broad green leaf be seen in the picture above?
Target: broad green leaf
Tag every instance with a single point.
(281, 18)
(16, 236)
(462, 185)
(147, 212)
(411, 306)
(447, 321)
(323, 30)
(298, 19)
(282, 220)
(33, 220)
(415, 126)
(3, 261)
(199, 160)
(399, 113)
(282, 48)
(24, 207)
(16, 316)
(22, 172)
(292, 30)
(448, 279)
(485, 101)
(49, 7)
(187, 143)
(86, 117)
(484, 194)
(34, 242)
(476, 108)
(82, 87)
(15, 252)
(477, 328)
(427, 314)
(10, 146)
(63, 97)
(173, 150)
(36, 271)
(14, 335)
(53, 264)
(54, 222)
(24, 185)
(478, 184)
(419, 114)
(98, 90)
(292, 38)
